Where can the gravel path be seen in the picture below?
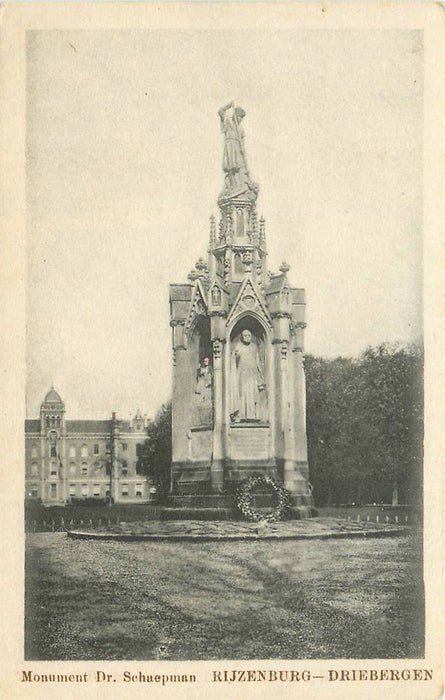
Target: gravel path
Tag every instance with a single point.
(236, 600)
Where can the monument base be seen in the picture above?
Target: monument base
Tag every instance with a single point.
(222, 506)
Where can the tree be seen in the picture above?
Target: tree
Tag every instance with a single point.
(392, 384)
(365, 426)
(156, 453)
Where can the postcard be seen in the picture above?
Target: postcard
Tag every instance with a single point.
(223, 339)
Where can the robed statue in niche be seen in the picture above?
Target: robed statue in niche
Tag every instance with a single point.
(247, 379)
(202, 405)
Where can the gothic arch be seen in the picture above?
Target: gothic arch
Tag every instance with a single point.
(200, 338)
(248, 314)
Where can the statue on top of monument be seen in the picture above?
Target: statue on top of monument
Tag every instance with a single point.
(237, 179)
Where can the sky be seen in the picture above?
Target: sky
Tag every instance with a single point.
(124, 167)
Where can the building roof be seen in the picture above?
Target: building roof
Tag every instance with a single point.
(276, 283)
(32, 425)
(180, 292)
(52, 397)
(88, 426)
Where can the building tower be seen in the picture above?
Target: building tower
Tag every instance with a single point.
(53, 445)
(238, 403)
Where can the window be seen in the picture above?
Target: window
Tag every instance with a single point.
(72, 468)
(96, 490)
(124, 446)
(125, 489)
(53, 490)
(53, 469)
(34, 493)
(53, 452)
(124, 468)
(33, 452)
(72, 490)
(139, 490)
(84, 451)
(107, 492)
(34, 469)
(84, 490)
(72, 452)
(84, 469)
(96, 449)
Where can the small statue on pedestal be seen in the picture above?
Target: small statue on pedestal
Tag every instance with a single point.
(202, 408)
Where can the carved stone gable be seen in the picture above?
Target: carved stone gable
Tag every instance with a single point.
(249, 299)
(216, 295)
(198, 307)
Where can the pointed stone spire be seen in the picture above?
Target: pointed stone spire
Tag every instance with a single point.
(212, 232)
(254, 225)
(262, 234)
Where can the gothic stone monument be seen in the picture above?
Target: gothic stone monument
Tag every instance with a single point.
(238, 377)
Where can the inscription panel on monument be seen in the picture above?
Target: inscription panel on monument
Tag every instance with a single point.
(249, 442)
(201, 444)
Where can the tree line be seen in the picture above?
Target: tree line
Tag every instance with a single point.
(364, 428)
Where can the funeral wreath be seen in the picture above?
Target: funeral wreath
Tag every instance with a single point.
(244, 499)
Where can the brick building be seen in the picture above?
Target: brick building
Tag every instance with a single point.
(72, 460)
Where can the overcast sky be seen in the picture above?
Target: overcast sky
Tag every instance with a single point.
(124, 156)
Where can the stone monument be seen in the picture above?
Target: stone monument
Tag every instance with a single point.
(238, 405)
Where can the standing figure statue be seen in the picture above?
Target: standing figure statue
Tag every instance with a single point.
(247, 379)
(233, 158)
(237, 179)
(202, 409)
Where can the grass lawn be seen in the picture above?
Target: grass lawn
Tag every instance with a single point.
(234, 600)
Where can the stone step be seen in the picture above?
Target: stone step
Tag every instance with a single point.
(218, 501)
(199, 514)
(167, 513)
(201, 501)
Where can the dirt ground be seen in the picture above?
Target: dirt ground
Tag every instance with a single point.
(234, 600)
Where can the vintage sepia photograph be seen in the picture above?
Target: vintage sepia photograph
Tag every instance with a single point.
(227, 474)
(224, 434)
